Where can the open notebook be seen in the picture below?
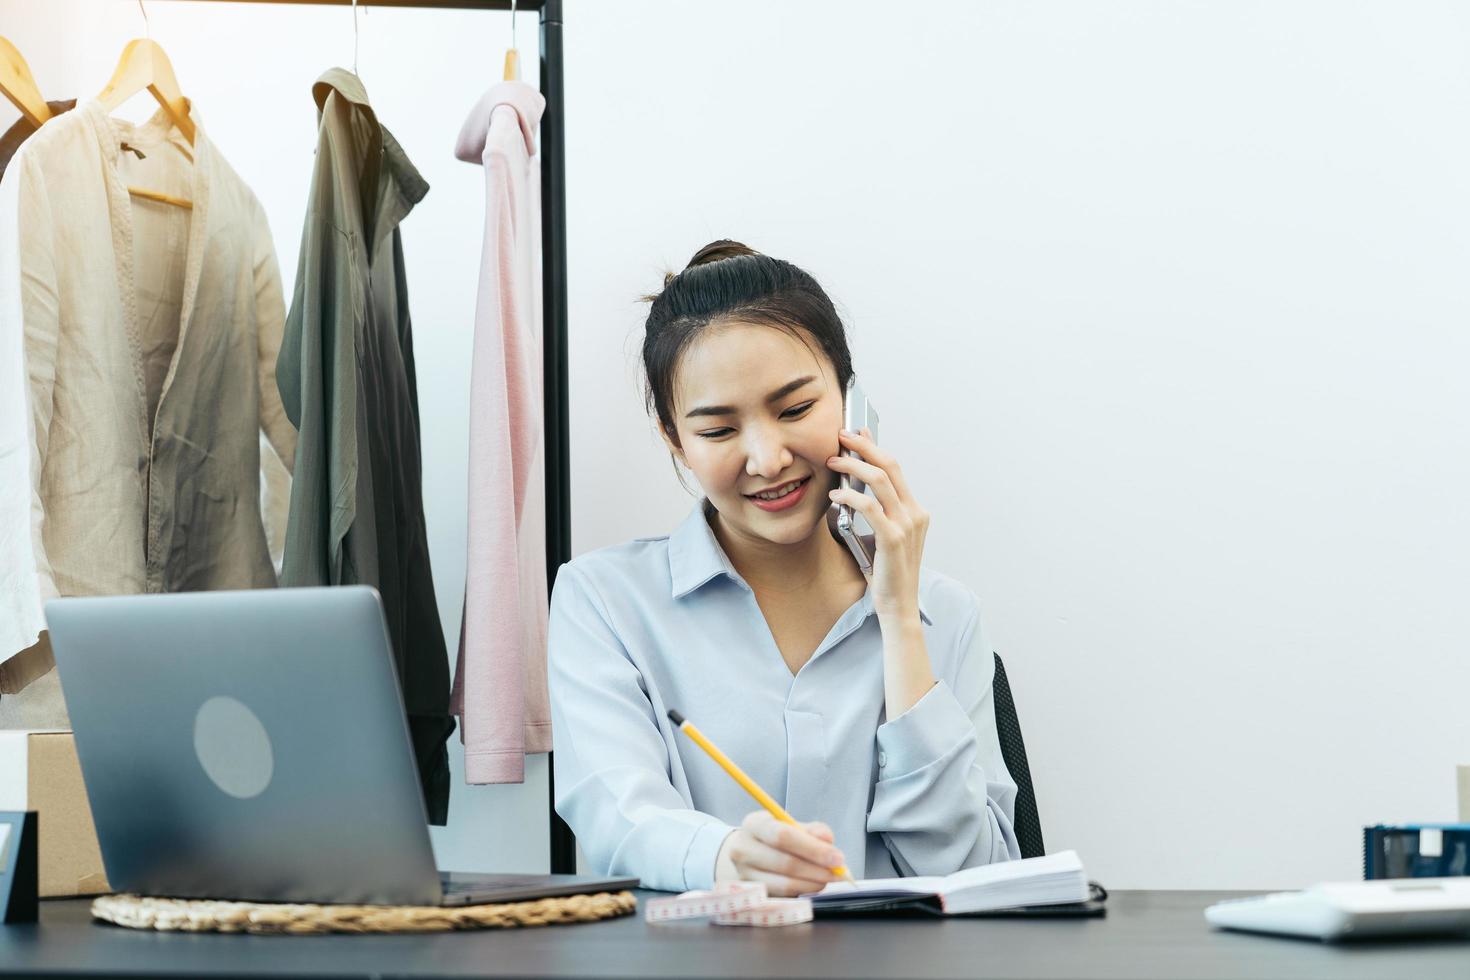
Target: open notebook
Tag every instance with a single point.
(1053, 880)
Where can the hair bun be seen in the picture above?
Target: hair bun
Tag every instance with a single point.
(725, 248)
(722, 249)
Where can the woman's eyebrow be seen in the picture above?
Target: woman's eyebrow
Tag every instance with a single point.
(774, 396)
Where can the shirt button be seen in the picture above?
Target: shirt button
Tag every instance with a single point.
(882, 759)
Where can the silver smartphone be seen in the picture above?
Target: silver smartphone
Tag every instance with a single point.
(857, 414)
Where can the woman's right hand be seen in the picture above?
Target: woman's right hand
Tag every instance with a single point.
(789, 859)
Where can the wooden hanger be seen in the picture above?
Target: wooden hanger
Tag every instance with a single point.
(512, 56)
(144, 65)
(19, 85)
(177, 202)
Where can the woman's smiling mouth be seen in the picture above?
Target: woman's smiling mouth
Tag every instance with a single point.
(781, 498)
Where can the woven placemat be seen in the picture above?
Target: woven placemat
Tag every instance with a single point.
(195, 915)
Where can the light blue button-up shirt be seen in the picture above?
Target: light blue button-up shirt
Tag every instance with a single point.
(660, 623)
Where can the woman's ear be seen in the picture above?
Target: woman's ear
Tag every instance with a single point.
(674, 449)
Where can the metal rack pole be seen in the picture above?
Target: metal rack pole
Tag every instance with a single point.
(554, 353)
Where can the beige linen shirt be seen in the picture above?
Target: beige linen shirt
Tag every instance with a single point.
(149, 336)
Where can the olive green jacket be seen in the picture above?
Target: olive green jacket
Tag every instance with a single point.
(346, 375)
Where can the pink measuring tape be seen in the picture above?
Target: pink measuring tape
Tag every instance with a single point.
(735, 896)
(771, 912)
(736, 903)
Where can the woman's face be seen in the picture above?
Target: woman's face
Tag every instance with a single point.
(756, 410)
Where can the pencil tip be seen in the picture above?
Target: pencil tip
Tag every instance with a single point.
(675, 717)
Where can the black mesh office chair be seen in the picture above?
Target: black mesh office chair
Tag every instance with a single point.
(1013, 751)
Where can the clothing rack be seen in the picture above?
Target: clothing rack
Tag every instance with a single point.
(554, 309)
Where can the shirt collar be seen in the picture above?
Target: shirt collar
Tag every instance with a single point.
(158, 127)
(400, 168)
(399, 185)
(527, 104)
(348, 85)
(696, 558)
(695, 555)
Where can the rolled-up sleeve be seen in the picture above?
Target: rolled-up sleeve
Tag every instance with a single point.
(613, 782)
(944, 800)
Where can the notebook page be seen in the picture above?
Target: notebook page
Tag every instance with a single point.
(875, 887)
(1051, 880)
(1060, 863)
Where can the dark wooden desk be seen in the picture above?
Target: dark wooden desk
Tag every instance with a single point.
(1146, 934)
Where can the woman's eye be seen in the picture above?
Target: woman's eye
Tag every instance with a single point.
(794, 412)
(797, 411)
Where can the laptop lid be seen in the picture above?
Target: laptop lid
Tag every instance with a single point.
(246, 745)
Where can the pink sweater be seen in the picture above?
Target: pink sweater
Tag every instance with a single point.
(500, 680)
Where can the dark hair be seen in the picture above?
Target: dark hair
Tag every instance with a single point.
(728, 281)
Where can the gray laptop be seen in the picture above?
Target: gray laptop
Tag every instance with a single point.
(253, 746)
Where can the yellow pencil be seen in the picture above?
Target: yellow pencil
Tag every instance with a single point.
(738, 774)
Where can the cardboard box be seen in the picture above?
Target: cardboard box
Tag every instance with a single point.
(39, 771)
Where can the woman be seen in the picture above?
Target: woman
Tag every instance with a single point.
(863, 706)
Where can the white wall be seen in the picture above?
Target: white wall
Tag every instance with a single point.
(1161, 302)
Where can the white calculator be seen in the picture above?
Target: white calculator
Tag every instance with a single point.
(1353, 910)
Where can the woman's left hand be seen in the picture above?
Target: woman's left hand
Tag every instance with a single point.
(899, 523)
